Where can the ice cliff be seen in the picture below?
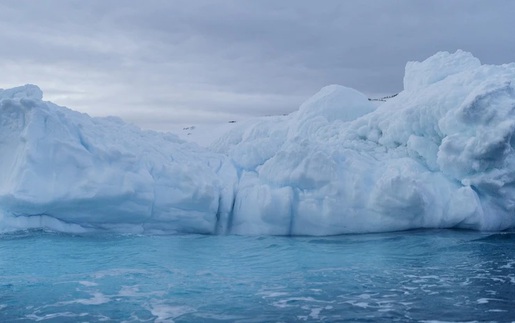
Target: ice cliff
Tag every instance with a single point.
(67, 171)
(441, 154)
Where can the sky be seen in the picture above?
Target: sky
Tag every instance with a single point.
(156, 63)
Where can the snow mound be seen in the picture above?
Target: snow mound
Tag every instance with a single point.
(336, 102)
(441, 154)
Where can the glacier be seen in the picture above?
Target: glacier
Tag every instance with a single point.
(440, 154)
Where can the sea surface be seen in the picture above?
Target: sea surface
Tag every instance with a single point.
(413, 276)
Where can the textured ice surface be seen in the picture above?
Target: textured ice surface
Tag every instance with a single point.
(64, 170)
(438, 155)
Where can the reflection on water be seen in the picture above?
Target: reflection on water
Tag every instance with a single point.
(404, 276)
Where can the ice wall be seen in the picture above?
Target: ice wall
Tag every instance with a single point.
(67, 171)
(438, 155)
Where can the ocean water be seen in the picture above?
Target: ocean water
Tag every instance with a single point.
(422, 276)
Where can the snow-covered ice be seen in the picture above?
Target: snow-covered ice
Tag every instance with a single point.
(441, 154)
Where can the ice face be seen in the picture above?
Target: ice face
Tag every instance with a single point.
(438, 155)
(102, 173)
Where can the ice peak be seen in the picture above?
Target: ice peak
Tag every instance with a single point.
(27, 91)
(437, 67)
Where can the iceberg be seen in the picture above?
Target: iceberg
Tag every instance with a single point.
(440, 154)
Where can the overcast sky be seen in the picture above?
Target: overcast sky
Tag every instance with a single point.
(159, 62)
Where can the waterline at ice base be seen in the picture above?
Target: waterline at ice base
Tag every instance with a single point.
(440, 154)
